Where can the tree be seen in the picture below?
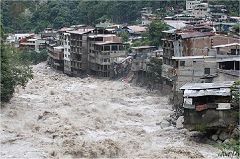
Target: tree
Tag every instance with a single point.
(124, 36)
(13, 71)
(236, 28)
(155, 70)
(155, 32)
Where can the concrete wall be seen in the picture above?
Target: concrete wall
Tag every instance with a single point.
(209, 118)
(196, 46)
(193, 71)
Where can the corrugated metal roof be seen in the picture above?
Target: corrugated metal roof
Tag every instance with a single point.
(177, 24)
(58, 47)
(191, 57)
(107, 42)
(80, 31)
(143, 47)
(137, 28)
(199, 86)
(226, 45)
(195, 34)
(207, 92)
(102, 35)
(228, 59)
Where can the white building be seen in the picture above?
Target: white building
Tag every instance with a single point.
(33, 44)
(191, 3)
(200, 10)
(15, 38)
(67, 58)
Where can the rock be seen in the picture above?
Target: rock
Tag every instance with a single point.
(223, 136)
(218, 132)
(235, 133)
(219, 141)
(184, 131)
(51, 92)
(164, 124)
(226, 141)
(179, 122)
(215, 137)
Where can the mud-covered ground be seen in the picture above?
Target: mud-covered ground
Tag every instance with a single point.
(60, 116)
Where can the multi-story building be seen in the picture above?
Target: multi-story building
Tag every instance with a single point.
(186, 58)
(146, 16)
(228, 61)
(48, 33)
(200, 10)
(55, 56)
(104, 49)
(67, 50)
(191, 3)
(35, 44)
(79, 51)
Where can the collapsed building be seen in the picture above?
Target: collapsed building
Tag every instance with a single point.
(141, 58)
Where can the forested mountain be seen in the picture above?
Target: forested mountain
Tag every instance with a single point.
(35, 15)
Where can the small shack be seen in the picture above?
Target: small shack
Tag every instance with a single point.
(208, 105)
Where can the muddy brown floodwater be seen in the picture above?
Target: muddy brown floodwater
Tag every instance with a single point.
(59, 116)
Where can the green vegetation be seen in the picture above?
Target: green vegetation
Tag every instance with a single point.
(23, 16)
(236, 28)
(154, 34)
(230, 149)
(13, 71)
(201, 127)
(124, 36)
(235, 93)
(33, 57)
(155, 70)
(231, 5)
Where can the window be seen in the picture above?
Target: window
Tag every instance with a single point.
(106, 48)
(164, 61)
(182, 63)
(206, 71)
(114, 47)
(106, 60)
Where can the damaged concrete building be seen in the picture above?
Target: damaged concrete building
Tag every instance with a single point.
(186, 58)
(141, 57)
(228, 60)
(208, 105)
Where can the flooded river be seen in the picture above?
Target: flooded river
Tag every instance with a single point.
(59, 116)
